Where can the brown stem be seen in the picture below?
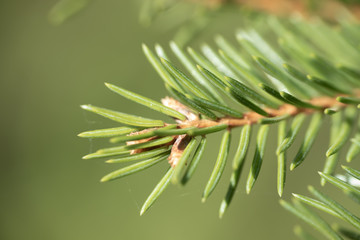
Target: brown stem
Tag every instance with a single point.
(252, 117)
(327, 9)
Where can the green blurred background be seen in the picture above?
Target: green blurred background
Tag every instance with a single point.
(49, 192)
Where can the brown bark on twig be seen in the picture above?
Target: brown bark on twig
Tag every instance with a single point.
(252, 117)
(181, 141)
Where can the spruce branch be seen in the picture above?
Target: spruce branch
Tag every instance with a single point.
(260, 85)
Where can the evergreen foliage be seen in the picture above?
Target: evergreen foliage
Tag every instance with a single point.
(277, 75)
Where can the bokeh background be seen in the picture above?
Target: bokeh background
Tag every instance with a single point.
(49, 192)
